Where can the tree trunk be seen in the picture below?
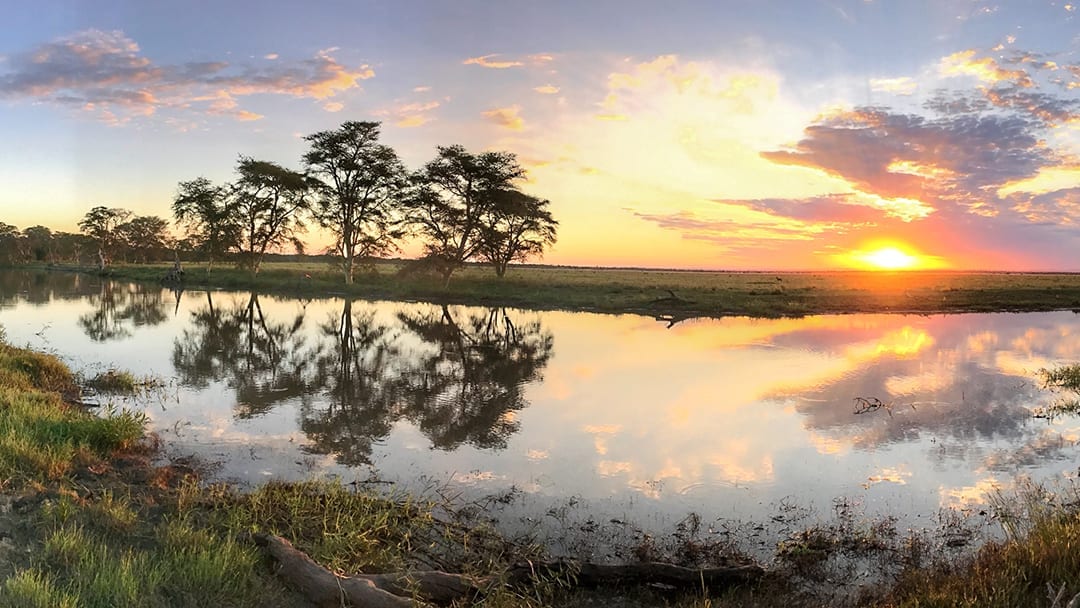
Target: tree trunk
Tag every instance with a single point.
(101, 260)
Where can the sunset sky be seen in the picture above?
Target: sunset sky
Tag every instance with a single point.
(738, 134)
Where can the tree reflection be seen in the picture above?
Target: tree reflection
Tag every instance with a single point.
(457, 375)
(359, 365)
(40, 288)
(265, 362)
(467, 387)
(118, 308)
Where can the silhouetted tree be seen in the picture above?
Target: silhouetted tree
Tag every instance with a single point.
(516, 227)
(39, 244)
(206, 213)
(450, 200)
(268, 201)
(100, 223)
(359, 185)
(144, 237)
(10, 248)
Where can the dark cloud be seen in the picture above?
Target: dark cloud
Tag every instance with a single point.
(836, 208)
(105, 73)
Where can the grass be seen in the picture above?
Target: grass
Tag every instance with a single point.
(114, 381)
(663, 293)
(1037, 565)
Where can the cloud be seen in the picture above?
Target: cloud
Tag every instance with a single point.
(493, 61)
(901, 86)
(948, 160)
(270, 56)
(547, 89)
(105, 73)
(411, 114)
(964, 63)
(333, 106)
(422, 89)
(508, 118)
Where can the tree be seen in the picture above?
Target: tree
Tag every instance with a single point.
(100, 223)
(146, 237)
(10, 249)
(516, 227)
(359, 184)
(452, 196)
(206, 213)
(268, 202)
(39, 244)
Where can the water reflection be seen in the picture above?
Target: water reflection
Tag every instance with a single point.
(119, 308)
(266, 361)
(458, 375)
(717, 416)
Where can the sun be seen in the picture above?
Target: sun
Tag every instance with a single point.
(889, 258)
(888, 255)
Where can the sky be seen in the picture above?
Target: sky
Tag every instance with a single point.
(722, 134)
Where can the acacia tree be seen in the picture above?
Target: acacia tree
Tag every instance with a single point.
(268, 201)
(100, 223)
(144, 237)
(516, 227)
(207, 215)
(359, 184)
(452, 197)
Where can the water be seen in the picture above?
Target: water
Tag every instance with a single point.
(731, 419)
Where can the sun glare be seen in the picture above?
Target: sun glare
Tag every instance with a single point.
(889, 258)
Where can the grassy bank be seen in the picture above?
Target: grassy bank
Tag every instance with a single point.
(87, 519)
(670, 294)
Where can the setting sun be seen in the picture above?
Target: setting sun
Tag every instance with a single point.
(889, 258)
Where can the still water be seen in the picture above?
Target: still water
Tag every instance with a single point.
(725, 418)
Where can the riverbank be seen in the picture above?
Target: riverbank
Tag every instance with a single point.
(666, 294)
(89, 519)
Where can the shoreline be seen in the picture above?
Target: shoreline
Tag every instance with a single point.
(668, 296)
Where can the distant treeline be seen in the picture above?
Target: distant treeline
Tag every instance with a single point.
(462, 206)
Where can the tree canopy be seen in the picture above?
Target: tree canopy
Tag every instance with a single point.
(358, 184)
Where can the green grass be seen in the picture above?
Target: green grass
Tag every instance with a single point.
(696, 293)
(114, 381)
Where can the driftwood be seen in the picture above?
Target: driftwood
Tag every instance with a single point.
(415, 589)
(395, 590)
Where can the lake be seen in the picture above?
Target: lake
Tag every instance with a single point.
(734, 419)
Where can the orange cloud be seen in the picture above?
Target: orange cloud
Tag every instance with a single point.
(547, 89)
(508, 118)
(492, 61)
(489, 61)
(964, 63)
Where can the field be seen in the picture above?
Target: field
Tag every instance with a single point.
(663, 293)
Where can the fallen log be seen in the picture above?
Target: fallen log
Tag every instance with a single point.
(395, 590)
(416, 589)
